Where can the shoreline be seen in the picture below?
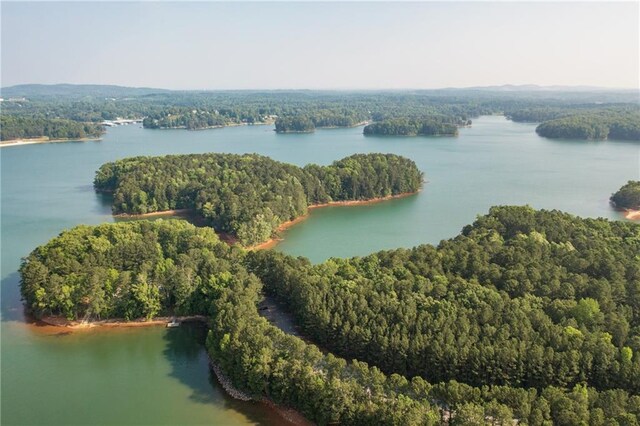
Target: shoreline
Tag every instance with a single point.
(272, 242)
(631, 214)
(70, 326)
(362, 123)
(63, 323)
(290, 415)
(43, 139)
(174, 212)
(217, 126)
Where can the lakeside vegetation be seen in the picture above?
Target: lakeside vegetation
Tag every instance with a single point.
(321, 118)
(521, 298)
(30, 127)
(172, 261)
(588, 122)
(394, 112)
(429, 126)
(628, 196)
(250, 196)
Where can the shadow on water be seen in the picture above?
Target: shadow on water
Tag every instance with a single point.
(185, 351)
(104, 201)
(13, 310)
(11, 306)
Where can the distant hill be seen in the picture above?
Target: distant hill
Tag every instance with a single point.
(75, 91)
(555, 88)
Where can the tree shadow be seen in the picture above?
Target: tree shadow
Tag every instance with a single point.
(11, 306)
(104, 200)
(186, 353)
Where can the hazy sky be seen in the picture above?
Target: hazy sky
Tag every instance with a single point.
(320, 45)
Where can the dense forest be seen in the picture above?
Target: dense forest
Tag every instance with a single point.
(591, 122)
(428, 126)
(627, 197)
(130, 270)
(295, 124)
(521, 298)
(16, 127)
(189, 120)
(595, 126)
(147, 268)
(323, 118)
(295, 110)
(249, 196)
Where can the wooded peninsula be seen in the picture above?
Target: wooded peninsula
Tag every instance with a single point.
(528, 316)
(250, 196)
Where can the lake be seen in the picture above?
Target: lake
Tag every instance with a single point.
(160, 376)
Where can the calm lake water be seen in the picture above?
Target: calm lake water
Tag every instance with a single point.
(160, 376)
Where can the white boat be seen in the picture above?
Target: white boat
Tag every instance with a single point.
(173, 323)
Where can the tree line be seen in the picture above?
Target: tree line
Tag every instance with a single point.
(589, 122)
(148, 268)
(427, 126)
(521, 298)
(297, 109)
(249, 196)
(319, 118)
(16, 127)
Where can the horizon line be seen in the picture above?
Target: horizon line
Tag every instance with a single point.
(345, 89)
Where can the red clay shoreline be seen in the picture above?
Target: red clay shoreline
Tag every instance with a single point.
(286, 225)
(230, 239)
(151, 214)
(632, 214)
(64, 326)
(288, 414)
(73, 325)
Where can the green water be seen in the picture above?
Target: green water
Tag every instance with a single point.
(160, 376)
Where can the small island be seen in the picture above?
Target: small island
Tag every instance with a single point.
(628, 198)
(432, 126)
(249, 197)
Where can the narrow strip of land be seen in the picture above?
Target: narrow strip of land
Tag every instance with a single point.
(43, 139)
(56, 321)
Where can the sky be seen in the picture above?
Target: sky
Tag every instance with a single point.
(307, 45)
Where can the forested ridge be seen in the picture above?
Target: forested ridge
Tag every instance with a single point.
(628, 196)
(249, 196)
(521, 298)
(148, 268)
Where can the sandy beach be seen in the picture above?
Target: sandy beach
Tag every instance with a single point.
(63, 323)
(632, 214)
(44, 139)
(176, 212)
